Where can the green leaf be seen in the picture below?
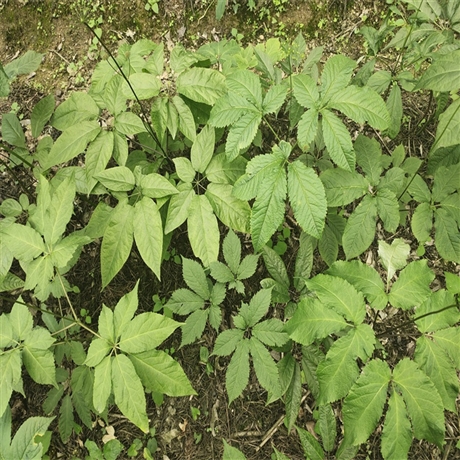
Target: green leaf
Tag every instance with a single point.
(194, 326)
(24, 242)
(363, 406)
(369, 157)
(118, 179)
(201, 85)
(413, 285)
(41, 114)
(361, 104)
(448, 130)
(307, 198)
(232, 453)
(66, 421)
(146, 331)
(311, 447)
(336, 75)
(327, 426)
(447, 236)
(128, 392)
(129, 123)
(10, 376)
(98, 155)
(275, 267)
(293, 398)
(270, 332)
(265, 367)
(148, 233)
(227, 341)
(102, 387)
(304, 260)
(220, 272)
(397, 431)
(12, 130)
(307, 128)
(246, 84)
(78, 108)
(360, 229)
(113, 96)
(305, 90)
(274, 99)
(452, 282)
(340, 295)
(6, 331)
(449, 340)
(178, 209)
(388, 209)
(237, 375)
(422, 222)
(203, 149)
(337, 373)
(97, 351)
(20, 320)
(40, 365)
(105, 325)
(328, 246)
(424, 404)
(4, 82)
(438, 315)
(124, 311)
(27, 63)
(183, 302)
(203, 231)
(71, 142)
(39, 338)
(268, 209)
(419, 190)
(443, 74)
(395, 109)
(231, 248)
(394, 256)
(342, 187)
(160, 373)
(117, 242)
(156, 186)
(228, 109)
(312, 321)
(257, 308)
(436, 364)
(364, 278)
(231, 211)
(195, 277)
(241, 134)
(247, 267)
(338, 141)
(24, 444)
(145, 86)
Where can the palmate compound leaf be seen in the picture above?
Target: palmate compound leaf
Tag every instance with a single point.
(237, 375)
(307, 198)
(268, 209)
(339, 295)
(423, 402)
(433, 360)
(363, 405)
(129, 392)
(397, 431)
(364, 278)
(413, 285)
(312, 321)
(159, 372)
(337, 373)
(360, 229)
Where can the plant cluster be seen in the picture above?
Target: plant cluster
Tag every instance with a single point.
(219, 143)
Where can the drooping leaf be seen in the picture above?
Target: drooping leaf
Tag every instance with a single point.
(161, 373)
(360, 229)
(397, 432)
(363, 405)
(275, 266)
(128, 392)
(424, 404)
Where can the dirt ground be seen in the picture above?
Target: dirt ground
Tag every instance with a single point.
(186, 428)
